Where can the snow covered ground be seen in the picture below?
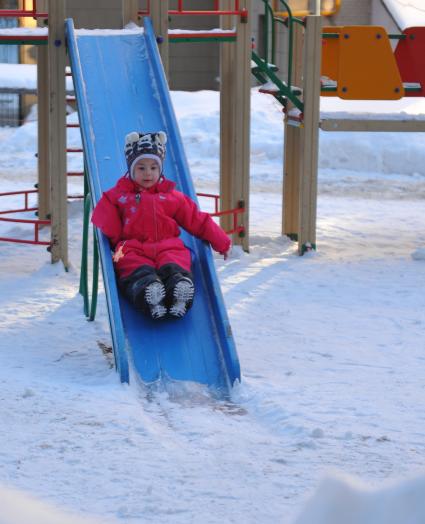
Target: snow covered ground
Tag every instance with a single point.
(331, 348)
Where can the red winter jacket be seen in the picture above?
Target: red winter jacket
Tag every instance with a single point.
(150, 215)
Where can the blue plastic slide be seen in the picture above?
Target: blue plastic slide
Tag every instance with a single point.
(120, 87)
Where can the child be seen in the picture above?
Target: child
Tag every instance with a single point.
(141, 216)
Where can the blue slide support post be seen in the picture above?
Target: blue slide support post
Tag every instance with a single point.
(121, 87)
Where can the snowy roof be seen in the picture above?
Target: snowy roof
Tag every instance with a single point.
(407, 13)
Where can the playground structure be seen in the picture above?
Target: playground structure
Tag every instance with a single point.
(381, 74)
(200, 347)
(52, 174)
(314, 53)
(353, 63)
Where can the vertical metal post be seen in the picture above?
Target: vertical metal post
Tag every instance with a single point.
(57, 131)
(310, 134)
(129, 12)
(43, 122)
(314, 7)
(159, 15)
(227, 132)
(292, 150)
(235, 106)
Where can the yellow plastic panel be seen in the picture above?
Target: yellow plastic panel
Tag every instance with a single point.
(300, 8)
(367, 69)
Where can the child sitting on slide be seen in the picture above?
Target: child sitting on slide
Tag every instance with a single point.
(141, 216)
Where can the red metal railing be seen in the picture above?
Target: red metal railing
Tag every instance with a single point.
(235, 212)
(23, 38)
(37, 225)
(32, 12)
(24, 12)
(215, 11)
(33, 221)
(26, 201)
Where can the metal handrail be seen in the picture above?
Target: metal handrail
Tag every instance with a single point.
(290, 42)
(89, 306)
(216, 11)
(240, 229)
(24, 12)
(269, 14)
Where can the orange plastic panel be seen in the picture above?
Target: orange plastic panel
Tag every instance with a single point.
(330, 56)
(367, 68)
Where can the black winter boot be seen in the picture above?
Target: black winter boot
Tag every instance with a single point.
(145, 291)
(179, 288)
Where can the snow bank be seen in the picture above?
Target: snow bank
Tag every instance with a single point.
(19, 508)
(343, 157)
(343, 499)
(23, 76)
(419, 254)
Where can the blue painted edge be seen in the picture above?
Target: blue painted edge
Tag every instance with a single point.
(229, 353)
(119, 341)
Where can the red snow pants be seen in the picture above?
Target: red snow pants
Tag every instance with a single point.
(131, 254)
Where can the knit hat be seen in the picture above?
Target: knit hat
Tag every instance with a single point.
(144, 145)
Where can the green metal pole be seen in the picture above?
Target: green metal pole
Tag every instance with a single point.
(95, 283)
(266, 32)
(83, 269)
(290, 43)
(84, 256)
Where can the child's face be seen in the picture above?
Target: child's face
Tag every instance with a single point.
(146, 172)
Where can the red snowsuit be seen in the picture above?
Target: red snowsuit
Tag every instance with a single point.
(143, 225)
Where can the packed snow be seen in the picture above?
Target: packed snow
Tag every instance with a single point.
(328, 421)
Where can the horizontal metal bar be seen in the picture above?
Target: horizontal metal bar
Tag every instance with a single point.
(26, 220)
(20, 13)
(180, 39)
(19, 40)
(25, 192)
(390, 36)
(10, 211)
(349, 124)
(19, 241)
(206, 13)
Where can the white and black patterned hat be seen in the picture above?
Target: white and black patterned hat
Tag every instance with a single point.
(144, 145)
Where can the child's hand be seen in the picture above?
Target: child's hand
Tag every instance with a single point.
(227, 253)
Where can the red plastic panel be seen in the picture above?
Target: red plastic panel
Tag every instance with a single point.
(410, 57)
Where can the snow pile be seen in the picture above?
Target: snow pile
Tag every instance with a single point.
(24, 31)
(19, 508)
(419, 254)
(23, 76)
(344, 500)
(344, 158)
